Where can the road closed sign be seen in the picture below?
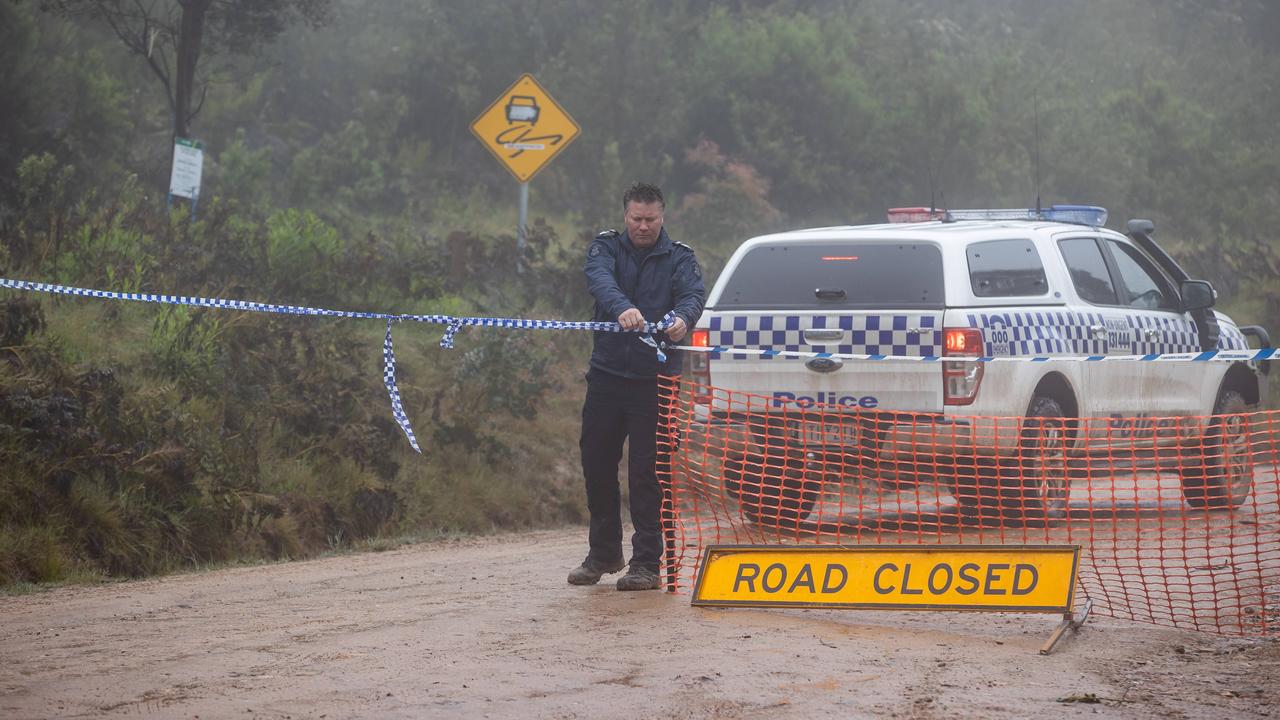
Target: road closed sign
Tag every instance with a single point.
(524, 128)
(1026, 578)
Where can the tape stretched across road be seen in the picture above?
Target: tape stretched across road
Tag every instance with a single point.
(454, 324)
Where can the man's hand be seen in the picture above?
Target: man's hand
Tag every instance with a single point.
(631, 319)
(677, 330)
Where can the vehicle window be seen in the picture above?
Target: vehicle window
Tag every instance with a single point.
(1145, 286)
(819, 276)
(1088, 270)
(1006, 268)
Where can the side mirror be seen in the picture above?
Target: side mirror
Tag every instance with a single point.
(1196, 295)
(1138, 226)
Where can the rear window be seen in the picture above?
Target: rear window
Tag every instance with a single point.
(819, 276)
(1006, 268)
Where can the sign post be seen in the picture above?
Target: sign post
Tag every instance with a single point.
(188, 166)
(524, 128)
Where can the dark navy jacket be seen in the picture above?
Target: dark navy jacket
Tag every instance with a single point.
(666, 279)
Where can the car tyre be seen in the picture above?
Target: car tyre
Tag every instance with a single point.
(1217, 470)
(1034, 486)
(771, 491)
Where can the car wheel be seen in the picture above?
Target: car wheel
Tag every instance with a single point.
(1033, 486)
(1217, 471)
(771, 491)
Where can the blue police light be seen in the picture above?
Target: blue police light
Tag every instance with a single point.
(1091, 215)
(1078, 214)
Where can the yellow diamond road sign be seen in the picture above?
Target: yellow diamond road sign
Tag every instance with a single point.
(524, 128)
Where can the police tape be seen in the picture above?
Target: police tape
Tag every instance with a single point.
(452, 325)
(1250, 355)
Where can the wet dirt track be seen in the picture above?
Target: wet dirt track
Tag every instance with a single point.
(489, 628)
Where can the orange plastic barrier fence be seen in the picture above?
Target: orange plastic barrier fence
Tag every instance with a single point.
(1178, 518)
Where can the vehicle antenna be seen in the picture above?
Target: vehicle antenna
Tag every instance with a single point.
(933, 203)
(1035, 114)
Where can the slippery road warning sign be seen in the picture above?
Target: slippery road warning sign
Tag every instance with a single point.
(1025, 578)
(524, 128)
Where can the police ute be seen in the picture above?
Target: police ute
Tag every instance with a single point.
(952, 293)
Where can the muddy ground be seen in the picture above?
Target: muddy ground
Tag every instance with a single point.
(489, 628)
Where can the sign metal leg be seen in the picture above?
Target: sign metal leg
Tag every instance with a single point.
(1069, 622)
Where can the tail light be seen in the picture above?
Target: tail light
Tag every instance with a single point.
(700, 366)
(961, 378)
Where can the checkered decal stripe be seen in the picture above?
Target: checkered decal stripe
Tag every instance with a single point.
(913, 335)
(1069, 333)
(1230, 338)
(1032, 334)
(1042, 333)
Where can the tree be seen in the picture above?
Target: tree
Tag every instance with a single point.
(173, 34)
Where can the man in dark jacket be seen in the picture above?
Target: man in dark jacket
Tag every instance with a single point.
(636, 276)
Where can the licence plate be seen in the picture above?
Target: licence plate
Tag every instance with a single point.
(828, 434)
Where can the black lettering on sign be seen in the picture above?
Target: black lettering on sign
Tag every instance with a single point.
(966, 575)
(805, 578)
(744, 577)
(782, 578)
(826, 579)
(934, 587)
(906, 579)
(994, 571)
(1033, 578)
(875, 579)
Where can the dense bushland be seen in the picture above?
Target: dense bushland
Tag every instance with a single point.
(340, 172)
(137, 438)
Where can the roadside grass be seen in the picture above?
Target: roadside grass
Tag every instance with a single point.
(513, 472)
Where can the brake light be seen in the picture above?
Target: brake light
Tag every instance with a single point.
(961, 379)
(700, 366)
(963, 341)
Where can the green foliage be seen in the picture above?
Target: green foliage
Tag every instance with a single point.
(731, 205)
(301, 253)
(32, 553)
(43, 201)
(185, 344)
(243, 173)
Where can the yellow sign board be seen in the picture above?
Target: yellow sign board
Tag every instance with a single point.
(1023, 578)
(524, 128)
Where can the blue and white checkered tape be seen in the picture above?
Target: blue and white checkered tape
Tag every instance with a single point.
(1033, 336)
(453, 325)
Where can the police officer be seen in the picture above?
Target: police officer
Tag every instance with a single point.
(636, 276)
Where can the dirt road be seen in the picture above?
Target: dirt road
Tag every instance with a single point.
(489, 628)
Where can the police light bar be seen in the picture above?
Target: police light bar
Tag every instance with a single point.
(1091, 215)
(1078, 214)
(916, 214)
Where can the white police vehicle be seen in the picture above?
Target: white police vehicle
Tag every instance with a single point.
(959, 285)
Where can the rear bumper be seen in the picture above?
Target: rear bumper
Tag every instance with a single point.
(880, 434)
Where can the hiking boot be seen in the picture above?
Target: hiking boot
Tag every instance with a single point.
(589, 572)
(638, 578)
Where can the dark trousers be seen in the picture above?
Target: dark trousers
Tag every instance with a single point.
(617, 409)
